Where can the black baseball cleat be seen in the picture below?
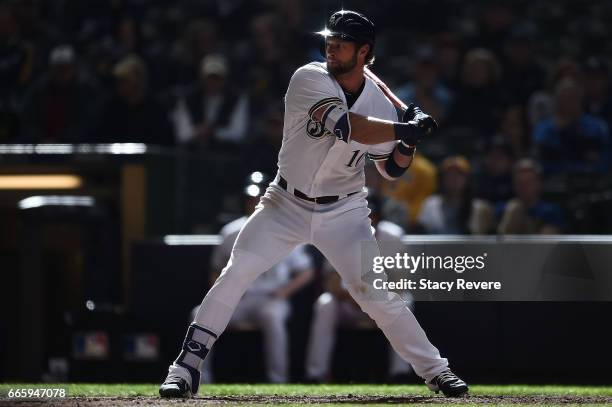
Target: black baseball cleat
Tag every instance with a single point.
(449, 384)
(175, 387)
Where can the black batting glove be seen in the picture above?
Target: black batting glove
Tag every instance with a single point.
(410, 134)
(423, 120)
(409, 113)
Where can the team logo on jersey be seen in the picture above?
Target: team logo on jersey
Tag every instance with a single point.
(316, 130)
(317, 116)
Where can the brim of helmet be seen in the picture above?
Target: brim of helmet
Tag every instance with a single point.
(341, 35)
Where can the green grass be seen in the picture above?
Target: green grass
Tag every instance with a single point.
(319, 390)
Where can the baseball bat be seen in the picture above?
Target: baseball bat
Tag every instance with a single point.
(397, 102)
(390, 95)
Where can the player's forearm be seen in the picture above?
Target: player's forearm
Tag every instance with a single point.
(370, 130)
(402, 160)
(393, 167)
(366, 130)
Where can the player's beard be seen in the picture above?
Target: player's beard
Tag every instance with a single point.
(340, 68)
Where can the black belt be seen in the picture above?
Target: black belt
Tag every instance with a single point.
(282, 182)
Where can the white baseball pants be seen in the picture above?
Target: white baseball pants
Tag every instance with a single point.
(330, 314)
(282, 221)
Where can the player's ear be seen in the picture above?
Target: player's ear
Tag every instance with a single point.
(363, 50)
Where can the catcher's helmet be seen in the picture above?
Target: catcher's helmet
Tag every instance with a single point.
(351, 26)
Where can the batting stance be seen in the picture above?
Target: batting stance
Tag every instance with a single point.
(335, 116)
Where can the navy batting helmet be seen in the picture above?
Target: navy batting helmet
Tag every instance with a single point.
(351, 26)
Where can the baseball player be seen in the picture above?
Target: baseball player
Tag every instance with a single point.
(266, 301)
(335, 116)
(335, 307)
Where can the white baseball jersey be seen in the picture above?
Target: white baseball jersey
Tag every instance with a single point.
(311, 158)
(273, 279)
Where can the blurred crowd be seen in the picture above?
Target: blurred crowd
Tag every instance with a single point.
(521, 91)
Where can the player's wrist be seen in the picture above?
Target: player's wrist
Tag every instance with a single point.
(393, 168)
(405, 149)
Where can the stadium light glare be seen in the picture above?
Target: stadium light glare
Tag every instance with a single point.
(192, 240)
(66, 149)
(39, 201)
(40, 181)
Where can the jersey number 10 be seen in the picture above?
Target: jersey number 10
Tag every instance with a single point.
(354, 160)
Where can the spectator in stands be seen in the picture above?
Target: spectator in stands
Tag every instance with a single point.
(527, 213)
(16, 55)
(572, 140)
(271, 62)
(523, 75)
(16, 65)
(448, 55)
(425, 89)
(262, 151)
(496, 21)
(598, 99)
(198, 39)
(513, 128)
(564, 68)
(124, 40)
(539, 108)
(132, 115)
(61, 105)
(291, 13)
(495, 181)
(413, 188)
(212, 114)
(132, 33)
(478, 94)
(455, 210)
